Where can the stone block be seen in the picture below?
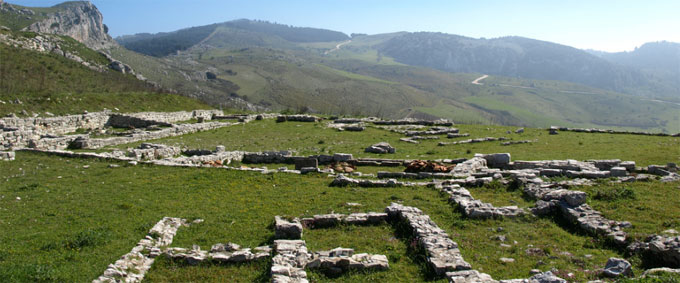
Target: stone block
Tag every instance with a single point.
(497, 160)
(7, 155)
(284, 229)
(617, 267)
(303, 162)
(618, 172)
(342, 157)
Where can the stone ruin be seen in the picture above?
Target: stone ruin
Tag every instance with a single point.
(381, 148)
(290, 256)
(478, 140)
(555, 129)
(132, 266)
(472, 208)
(297, 118)
(554, 198)
(52, 132)
(7, 155)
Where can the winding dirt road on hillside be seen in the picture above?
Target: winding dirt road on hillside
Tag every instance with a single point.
(476, 81)
(337, 47)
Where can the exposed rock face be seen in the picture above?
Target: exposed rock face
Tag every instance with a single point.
(79, 20)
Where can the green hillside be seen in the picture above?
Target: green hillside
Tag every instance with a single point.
(268, 68)
(231, 34)
(45, 82)
(356, 79)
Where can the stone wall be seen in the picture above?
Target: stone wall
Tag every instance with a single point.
(123, 121)
(43, 132)
(176, 130)
(56, 125)
(173, 117)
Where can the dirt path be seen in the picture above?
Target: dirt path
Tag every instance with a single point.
(337, 47)
(476, 81)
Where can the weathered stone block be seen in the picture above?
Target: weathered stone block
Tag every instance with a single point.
(497, 160)
(303, 162)
(7, 155)
(618, 172)
(616, 267)
(342, 157)
(284, 229)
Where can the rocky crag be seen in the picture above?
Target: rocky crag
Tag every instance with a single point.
(80, 20)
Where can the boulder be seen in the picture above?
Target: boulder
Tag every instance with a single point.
(380, 148)
(617, 267)
(546, 277)
(497, 160)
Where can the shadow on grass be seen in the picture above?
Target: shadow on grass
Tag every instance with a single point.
(404, 232)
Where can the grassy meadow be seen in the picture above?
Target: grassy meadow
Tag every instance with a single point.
(67, 219)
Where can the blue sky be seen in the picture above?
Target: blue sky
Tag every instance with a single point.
(596, 24)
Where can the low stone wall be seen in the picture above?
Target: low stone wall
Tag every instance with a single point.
(487, 139)
(17, 133)
(297, 118)
(603, 131)
(173, 117)
(472, 208)
(572, 207)
(229, 252)
(433, 131)
(54, 143)
(56, 125)
(342, 181)
(442, 253)
(134, 265)
(414, 122)
(662, 248)
(176, 130)
(288, 265)
(123, 121)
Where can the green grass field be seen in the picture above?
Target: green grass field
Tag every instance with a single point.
(67, 219)
(315, 138)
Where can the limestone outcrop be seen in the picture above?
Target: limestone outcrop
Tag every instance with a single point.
(80, 20)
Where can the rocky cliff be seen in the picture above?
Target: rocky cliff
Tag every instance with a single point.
(80, 20)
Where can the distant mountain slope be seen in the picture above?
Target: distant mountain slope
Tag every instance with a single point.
(163, 44)
(290, 33)
(509, 56)
(233, 33)
(662, 56)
